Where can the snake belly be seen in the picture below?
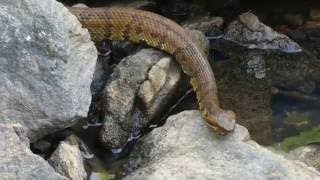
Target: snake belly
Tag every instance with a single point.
(159, 32)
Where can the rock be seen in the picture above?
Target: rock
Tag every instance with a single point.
(199, 39)
(16, 159)
(186, 148)
(244, 84)
(248, 31)
(67, 159)
(160, 86)
(46, 67)
(308, 154)
(140, 90)
(210, 26)
(119, 96)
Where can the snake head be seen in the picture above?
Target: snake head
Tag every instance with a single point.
(222, 122)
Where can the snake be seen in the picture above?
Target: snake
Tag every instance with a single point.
(139, 26)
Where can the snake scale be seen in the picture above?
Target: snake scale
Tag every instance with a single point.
(161, 33)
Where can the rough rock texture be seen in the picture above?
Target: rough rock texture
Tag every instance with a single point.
(46, 66)
(186, 148)
(308, 154)
(141, 89)
(210, 26)
(119, 97)
(67, 159)
(248, 31)
(158, 89)
(247, 66)
(16, 159)
(199, 39)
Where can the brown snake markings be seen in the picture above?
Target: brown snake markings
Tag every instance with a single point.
(164, 34)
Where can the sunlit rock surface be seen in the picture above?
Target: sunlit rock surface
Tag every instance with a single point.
(121, 114)
(16, 159)
(308, 154)
(186, 148)
(46, 66)
(68, 160)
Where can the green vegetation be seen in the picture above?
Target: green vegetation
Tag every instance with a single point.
(305, 138)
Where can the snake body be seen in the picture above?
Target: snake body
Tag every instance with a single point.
(161, 33)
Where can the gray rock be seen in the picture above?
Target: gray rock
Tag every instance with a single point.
(67, 159)
(308, 154)
(16, 159)
(140, 90)
(199, 39)
(186, 148)
(248, 31)
(119, 96)
(210, 26)
(46, 66)
(160, 86)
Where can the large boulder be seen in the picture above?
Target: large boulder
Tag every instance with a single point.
(139, 88)
(46, 66)
(16, 159)
(186, 148)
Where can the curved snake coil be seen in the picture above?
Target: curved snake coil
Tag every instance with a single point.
(161, 33)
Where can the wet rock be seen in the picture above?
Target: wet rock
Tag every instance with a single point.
(46, 67)
(244, 86)
(119, 96)
(186, 148)
(248, 31)
(67, 159)
(298, 120)
(210, 26)
(308, 154)
(294, 71)
(16, 159)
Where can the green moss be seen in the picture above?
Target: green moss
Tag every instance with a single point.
(305, 138)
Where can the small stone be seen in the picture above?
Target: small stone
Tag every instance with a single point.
(67, 159)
